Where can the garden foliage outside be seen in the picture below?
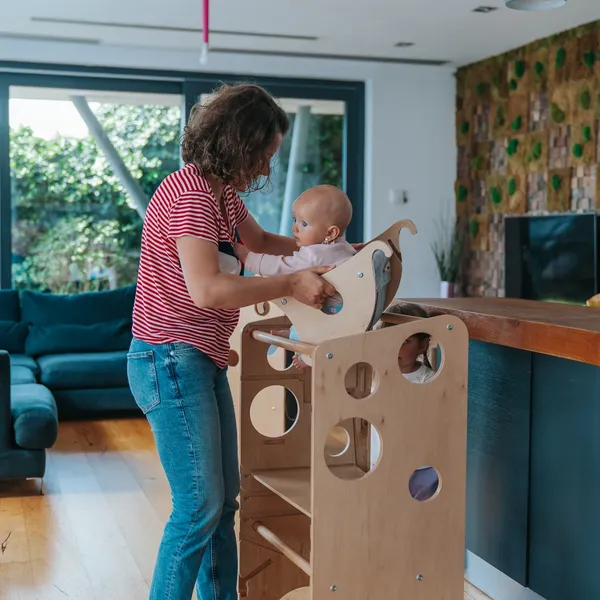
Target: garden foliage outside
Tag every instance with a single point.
(74, 228)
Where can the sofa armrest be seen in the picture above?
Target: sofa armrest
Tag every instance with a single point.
(5, 415)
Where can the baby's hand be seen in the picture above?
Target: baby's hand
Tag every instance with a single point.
(240, 251)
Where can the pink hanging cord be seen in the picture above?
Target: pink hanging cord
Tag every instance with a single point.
(204, 54)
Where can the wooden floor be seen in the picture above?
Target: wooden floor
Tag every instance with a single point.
(95, 532)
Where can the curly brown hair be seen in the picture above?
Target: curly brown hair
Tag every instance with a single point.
(230, 135)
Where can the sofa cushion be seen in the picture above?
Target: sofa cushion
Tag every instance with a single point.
(22, 360)
(99, 403)
(34, 416)
(9, 305)
(77, 309)
(21, 375)
(61, 339)
(80, 371)
(12, 336)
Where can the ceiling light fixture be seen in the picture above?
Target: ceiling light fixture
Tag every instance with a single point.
(485, 9)
(533, 5)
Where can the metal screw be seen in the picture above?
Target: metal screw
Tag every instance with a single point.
(419, 577)
(360, 274)
(449, 327)
(333, 588)
(284, 301)
(329, 356)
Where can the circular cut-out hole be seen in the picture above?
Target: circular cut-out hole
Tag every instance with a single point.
(361, 380)
(274, 411)
(424, 484)
(337, 442)
(333, 305)
(418, 358)
(276, 357)
(298, 594)
(348, 449)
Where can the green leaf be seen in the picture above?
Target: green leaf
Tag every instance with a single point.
(462, 193)
(586, 133)
(577, 150)
(538, 68)
(481, 88)
(500, 119)
(556, 114)
(520, 68)
(512, 147)
(512, 187)
(513, 85)
(496, 195)
(585, 100)
(477, 163)
(516, 124)
(556, 182)
(589, 59)
(561, 58)
(536, 151)
(473, 227)
(464, 127)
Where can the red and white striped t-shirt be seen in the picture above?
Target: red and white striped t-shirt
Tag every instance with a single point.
(164, 312)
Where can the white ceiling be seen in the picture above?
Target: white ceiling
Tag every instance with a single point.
(445, 30)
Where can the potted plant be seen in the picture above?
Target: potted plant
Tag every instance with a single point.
(447, 250)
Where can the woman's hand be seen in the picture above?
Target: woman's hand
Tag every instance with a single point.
(241, 252)
(309, 288)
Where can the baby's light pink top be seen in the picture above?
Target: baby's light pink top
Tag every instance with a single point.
(317, 255)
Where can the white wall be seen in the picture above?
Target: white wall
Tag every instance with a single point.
(409, 130)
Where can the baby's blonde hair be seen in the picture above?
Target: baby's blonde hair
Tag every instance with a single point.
(332, 202)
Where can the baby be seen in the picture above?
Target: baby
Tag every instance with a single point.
(321, 216)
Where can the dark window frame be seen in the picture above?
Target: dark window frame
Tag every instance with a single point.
(188, 85)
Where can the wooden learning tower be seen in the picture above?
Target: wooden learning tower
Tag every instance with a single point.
(317, 511)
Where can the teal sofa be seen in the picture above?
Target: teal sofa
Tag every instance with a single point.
(28, 425)
(63, 355)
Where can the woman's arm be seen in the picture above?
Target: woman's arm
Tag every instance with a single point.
(209, 288)
(262, 242)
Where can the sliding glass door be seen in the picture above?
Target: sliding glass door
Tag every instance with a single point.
(83, 149)
(324, 145)
(84, 164)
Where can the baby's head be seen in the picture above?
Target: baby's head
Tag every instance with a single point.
(321, 215)
(416, 345)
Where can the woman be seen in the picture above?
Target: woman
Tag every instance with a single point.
(188, 295)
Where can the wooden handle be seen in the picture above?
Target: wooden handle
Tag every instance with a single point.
(275, 340)
(268, 535)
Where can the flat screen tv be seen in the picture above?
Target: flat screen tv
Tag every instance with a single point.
(552, 258)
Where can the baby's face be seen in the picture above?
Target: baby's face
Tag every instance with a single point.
(309, 226)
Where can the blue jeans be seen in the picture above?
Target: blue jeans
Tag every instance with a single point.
(186, 399)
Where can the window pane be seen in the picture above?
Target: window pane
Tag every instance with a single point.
(319, 159)
(76, 223)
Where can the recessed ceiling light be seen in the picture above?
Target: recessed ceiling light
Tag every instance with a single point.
(485, 9)
(404, 44)
(534, 4)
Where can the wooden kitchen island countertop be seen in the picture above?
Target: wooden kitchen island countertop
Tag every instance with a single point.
(562, 330)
